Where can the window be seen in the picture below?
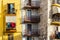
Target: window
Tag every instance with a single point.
(11, 8)
(29, 27)
(10, 36)
(29, 14)
(58, 1)
(32, 12)
(29, 38)
(32, 28)
(35, 29)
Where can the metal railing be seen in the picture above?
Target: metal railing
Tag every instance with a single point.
(32, 18)
(56, 19)
(32, 33)
(33, 3)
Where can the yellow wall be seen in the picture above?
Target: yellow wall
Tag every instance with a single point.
(1, 20)
(17, 36)
(18, 17)
(17, 7)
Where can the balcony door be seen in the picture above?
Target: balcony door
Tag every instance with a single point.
(28, 14)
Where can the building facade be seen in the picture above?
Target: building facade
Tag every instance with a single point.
(29, 19)
(39, 9)
(53, 19)
(10, 20)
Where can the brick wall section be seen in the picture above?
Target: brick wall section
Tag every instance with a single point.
(43, 19)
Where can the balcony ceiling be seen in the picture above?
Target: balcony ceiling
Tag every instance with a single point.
(31, 7)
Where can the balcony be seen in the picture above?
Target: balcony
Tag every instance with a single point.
(31, 5)
(10, 30)
(56, 19)
(32, 33)
(32, 19)
(10, 27)
(56, 3)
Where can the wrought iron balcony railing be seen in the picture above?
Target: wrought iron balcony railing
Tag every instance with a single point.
(56, 19)
(32, 5)
(32, 19)
(32, 33)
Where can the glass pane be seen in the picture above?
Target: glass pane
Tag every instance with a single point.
(29, 38)
(29, 27)
(29, 13)
(10, 36)
(10, 8)
(58, 1)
